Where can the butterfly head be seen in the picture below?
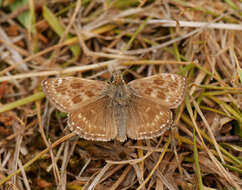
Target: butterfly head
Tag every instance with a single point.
(117, 78)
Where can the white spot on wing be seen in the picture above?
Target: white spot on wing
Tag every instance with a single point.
(59, 81)
(173, 77)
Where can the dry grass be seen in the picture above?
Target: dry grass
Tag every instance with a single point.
(201, 40)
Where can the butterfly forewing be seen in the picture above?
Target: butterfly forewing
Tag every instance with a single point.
(69, 93)
(147, 119)
(94, 121)
(166, 89)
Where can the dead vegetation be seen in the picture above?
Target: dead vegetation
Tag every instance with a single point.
(201, 40)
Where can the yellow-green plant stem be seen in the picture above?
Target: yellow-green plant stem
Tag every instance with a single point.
(22, 102)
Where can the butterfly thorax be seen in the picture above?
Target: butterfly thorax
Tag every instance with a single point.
(118, 94)
(117, 90)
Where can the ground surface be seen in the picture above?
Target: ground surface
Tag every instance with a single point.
(200, 40)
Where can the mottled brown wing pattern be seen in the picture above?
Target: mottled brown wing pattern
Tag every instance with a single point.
(166, 89)
(94, 121)
(69, 93)
(147, 119)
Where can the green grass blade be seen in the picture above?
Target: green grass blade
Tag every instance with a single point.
(59, 29)
(22, 102)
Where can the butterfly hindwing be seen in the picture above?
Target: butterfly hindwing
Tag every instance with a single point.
(94, 121)
(147, 119)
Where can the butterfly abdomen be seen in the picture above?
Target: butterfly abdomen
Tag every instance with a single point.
(120, 115)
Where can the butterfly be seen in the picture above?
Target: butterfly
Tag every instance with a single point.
(103, 111)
